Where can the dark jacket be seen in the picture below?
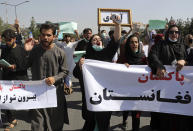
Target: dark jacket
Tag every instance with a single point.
(189, 55)
(82, 45)
(128, 56)
(106, 54)
(164, 53)
(16, 56)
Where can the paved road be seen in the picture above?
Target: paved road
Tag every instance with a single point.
(76, 121)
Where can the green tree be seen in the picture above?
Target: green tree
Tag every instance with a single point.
(1, 24)
(34, 29)
(32, 25)
(4, 26)
(186, 26)
(191, 27)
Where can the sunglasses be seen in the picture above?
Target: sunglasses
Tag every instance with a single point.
(172, 32)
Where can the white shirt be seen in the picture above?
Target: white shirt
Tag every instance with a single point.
(69, 51)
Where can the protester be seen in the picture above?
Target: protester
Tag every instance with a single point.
(73, 39)
(96, 51)
(123, 41)
(123, 32)
(133, 55)
(103, 34)
(0, 39)
(82, 45)
(0, 79)
(188, 41)
(69, 48)
(158, 38)
(189, 48)
(168, 52)
(189, 52)
(150, 37)
(14, 54)
(104, 37)
(47, 61)
(125, 35)
(154, 123)
(165, 30)
(18, 32)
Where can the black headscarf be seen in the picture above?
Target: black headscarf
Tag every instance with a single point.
(106, 54)
(132, 57)
(175, 49)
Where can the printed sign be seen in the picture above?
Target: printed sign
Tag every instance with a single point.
(157, 24)
(105, 19)
(21, 95)
(67, 28)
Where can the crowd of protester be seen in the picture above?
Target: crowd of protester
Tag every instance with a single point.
(156, 50)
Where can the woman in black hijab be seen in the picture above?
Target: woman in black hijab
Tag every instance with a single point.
(133, 55)
(96, 51)
(168, 52)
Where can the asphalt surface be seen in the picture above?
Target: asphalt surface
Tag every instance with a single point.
(74, 112)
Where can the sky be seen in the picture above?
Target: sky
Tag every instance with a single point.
(84, 12)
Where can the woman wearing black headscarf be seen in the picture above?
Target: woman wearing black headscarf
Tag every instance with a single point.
(133, 55)
(96, 51)
(168, 52)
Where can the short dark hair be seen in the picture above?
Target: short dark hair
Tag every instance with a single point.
(111, 32)
(48, 26)
(8, 34)
(123, 32)
(67, 35)
(86, 30)
(102, 31)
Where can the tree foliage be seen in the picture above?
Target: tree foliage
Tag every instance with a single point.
(4, 26)
(34, 28)
(185, 26)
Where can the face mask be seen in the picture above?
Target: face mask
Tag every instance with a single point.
(86, 40)
(97, 48)
(103, 35)
(136, 51)
(172, 40)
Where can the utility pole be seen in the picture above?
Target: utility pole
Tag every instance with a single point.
(15, 6)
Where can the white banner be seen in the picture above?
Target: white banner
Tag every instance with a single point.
(114, 87)
(19, 95)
